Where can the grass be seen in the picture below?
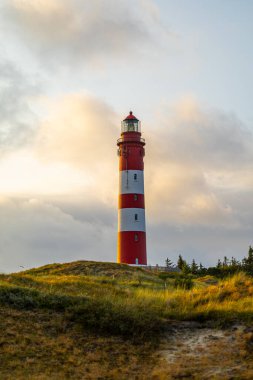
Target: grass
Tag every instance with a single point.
(99, 302)
(39, 344)
(228, 301)
(132, 303)
(82, 302)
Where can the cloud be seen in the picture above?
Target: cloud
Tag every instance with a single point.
(16, 115)
(81, 131)
(186, 184)
(201, 156)
(78, 129)
(36, 232)
(209, 138)
(79, 32)
(23, 173)
(203, 243)
(179, 195)
(73, 151)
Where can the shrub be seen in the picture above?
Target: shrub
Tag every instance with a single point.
(118, 317)
(23, 298)
(183, 282)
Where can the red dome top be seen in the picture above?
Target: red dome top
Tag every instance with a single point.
(131, 117)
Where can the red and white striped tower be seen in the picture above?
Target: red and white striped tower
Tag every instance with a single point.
(131, 217)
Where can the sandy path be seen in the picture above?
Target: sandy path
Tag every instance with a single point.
(194, 352)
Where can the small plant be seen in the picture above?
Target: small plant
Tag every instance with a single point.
(183, 282)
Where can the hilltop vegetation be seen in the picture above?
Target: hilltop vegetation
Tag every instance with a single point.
(88, 268)
(101, 318)
(222, 269)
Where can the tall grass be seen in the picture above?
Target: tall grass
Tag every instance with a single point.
(228, 301)
(139, 307)
(96, 303)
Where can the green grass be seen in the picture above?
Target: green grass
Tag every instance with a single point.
(228, 300)
(98, 302)
(123, 300)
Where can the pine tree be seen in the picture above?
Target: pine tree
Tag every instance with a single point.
(194, 267)
(168, 263)
(225, 262)
(219, 264)
(186, 269)
(247, 262)
(234, 262)
(180, 262)
(250, 256)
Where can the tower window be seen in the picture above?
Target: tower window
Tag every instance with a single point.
(135, 177)
(136, 237)
(135, 197)
(136, 217)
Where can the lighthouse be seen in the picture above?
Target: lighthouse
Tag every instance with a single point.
(131, 209)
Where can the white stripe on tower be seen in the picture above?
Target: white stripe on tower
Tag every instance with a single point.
(131, 182)
(131, 219)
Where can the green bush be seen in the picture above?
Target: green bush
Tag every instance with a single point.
(24, 298)
(183, 282)
(117, 318)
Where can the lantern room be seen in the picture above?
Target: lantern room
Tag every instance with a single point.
(130, 124)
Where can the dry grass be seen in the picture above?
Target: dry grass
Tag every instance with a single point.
(43, 345)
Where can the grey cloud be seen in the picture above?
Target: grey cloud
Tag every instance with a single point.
(87, 206)
(36, 232)
(16, 116)
(204, 244)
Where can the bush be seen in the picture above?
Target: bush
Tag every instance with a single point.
(23, 298)
(117, 318)
(183, 282)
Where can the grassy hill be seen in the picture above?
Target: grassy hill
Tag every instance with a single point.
(90, 268)
(90, 320)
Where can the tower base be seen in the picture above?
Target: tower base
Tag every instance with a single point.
(132, 248)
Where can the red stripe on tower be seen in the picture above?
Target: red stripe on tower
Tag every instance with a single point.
(131, 218)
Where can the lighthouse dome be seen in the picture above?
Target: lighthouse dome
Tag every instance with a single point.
(131, 117)
(130, 124)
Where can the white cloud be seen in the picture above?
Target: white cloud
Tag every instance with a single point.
(78, 129)
(81, 131)
(76, 32)
(23, 173)
(201, 156)
(208, 138)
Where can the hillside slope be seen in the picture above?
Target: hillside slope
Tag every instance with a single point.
(88, 320)
(90, 268)
(58, 322)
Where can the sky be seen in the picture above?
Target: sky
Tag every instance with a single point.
(70, 71)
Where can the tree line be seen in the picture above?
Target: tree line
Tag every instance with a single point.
(221, 269)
